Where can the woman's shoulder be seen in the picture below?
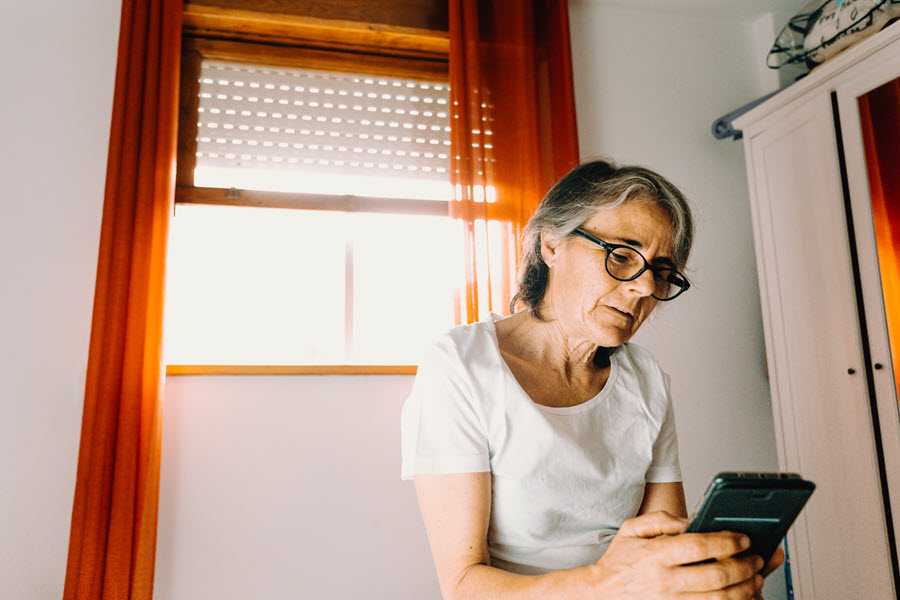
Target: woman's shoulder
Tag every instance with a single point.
(472, 332)
(638, 359)
(459, 364)
(474, 342)
(634, 351)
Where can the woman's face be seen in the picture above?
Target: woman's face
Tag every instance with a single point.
(584, 299)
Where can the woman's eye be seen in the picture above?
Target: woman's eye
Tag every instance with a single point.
(620, 257)
(667, 276)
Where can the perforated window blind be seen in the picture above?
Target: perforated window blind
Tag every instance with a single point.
(327, 123)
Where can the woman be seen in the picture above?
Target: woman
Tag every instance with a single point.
(543, 445)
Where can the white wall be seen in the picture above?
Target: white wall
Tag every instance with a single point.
(58, 68)
(278, 487)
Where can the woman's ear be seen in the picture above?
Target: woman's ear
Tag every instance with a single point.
(549, 245)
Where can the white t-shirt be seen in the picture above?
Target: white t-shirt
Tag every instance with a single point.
(562, 479)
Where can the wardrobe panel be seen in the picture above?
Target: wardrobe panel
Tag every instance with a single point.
(814, 335)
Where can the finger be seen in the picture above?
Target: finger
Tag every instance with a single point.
(717, 575)
(695, 547)
(740, 591)
(774, 562)
(653, 525)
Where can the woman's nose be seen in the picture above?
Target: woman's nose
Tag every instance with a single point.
(644, 284)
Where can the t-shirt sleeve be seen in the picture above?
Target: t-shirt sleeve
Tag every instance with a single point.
(665, 467)
(441, 425)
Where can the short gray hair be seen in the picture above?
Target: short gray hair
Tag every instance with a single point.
(582, 192)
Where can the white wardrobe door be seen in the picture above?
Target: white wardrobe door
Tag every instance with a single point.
(823, 422)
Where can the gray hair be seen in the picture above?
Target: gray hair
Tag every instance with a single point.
(582, 192)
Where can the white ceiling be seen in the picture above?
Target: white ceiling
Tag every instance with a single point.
(736, 10)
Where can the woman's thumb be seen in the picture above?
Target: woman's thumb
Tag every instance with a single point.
(653, 524)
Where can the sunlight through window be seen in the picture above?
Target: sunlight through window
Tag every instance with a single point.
(273, 286)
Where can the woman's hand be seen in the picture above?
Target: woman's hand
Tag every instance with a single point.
(650, 558)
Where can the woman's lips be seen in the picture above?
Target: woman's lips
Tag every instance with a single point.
(621, 313)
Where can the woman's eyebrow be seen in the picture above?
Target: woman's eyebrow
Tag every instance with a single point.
(627, 242)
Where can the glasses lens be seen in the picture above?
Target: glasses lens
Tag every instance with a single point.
(624, 263)
(669, 283)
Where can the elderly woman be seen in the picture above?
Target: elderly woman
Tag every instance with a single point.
(543, 445)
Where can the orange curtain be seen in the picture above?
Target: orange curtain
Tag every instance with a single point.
(880, 119)
(513, 132)
(112, 543)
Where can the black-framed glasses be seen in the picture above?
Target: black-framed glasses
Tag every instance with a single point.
(627, 264)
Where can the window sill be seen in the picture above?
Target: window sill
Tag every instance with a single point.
(290, 370)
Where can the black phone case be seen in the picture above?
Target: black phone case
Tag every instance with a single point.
(761, 505)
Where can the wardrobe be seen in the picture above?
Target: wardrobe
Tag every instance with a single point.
(823, 164)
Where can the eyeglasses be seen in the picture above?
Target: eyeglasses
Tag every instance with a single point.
(624, 263)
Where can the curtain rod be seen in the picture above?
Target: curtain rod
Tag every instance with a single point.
(723, 126)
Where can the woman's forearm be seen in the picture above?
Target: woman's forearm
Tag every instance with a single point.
(482, 582)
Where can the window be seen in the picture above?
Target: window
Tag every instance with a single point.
(311, 224)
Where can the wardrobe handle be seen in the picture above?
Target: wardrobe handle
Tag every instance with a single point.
(878, 366)
(851, 371)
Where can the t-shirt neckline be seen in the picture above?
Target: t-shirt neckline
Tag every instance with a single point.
(558, 410)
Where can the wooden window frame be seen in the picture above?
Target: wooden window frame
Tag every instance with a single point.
(300, 42)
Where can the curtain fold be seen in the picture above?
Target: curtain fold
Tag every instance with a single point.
(112, 543)
(513, 132)
(879, 112)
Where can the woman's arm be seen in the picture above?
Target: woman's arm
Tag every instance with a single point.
(644, 559)
(456, 510)
(668, 497)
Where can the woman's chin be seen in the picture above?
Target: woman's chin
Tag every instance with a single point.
(610, 334)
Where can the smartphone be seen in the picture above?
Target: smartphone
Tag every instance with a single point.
(761, 505)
